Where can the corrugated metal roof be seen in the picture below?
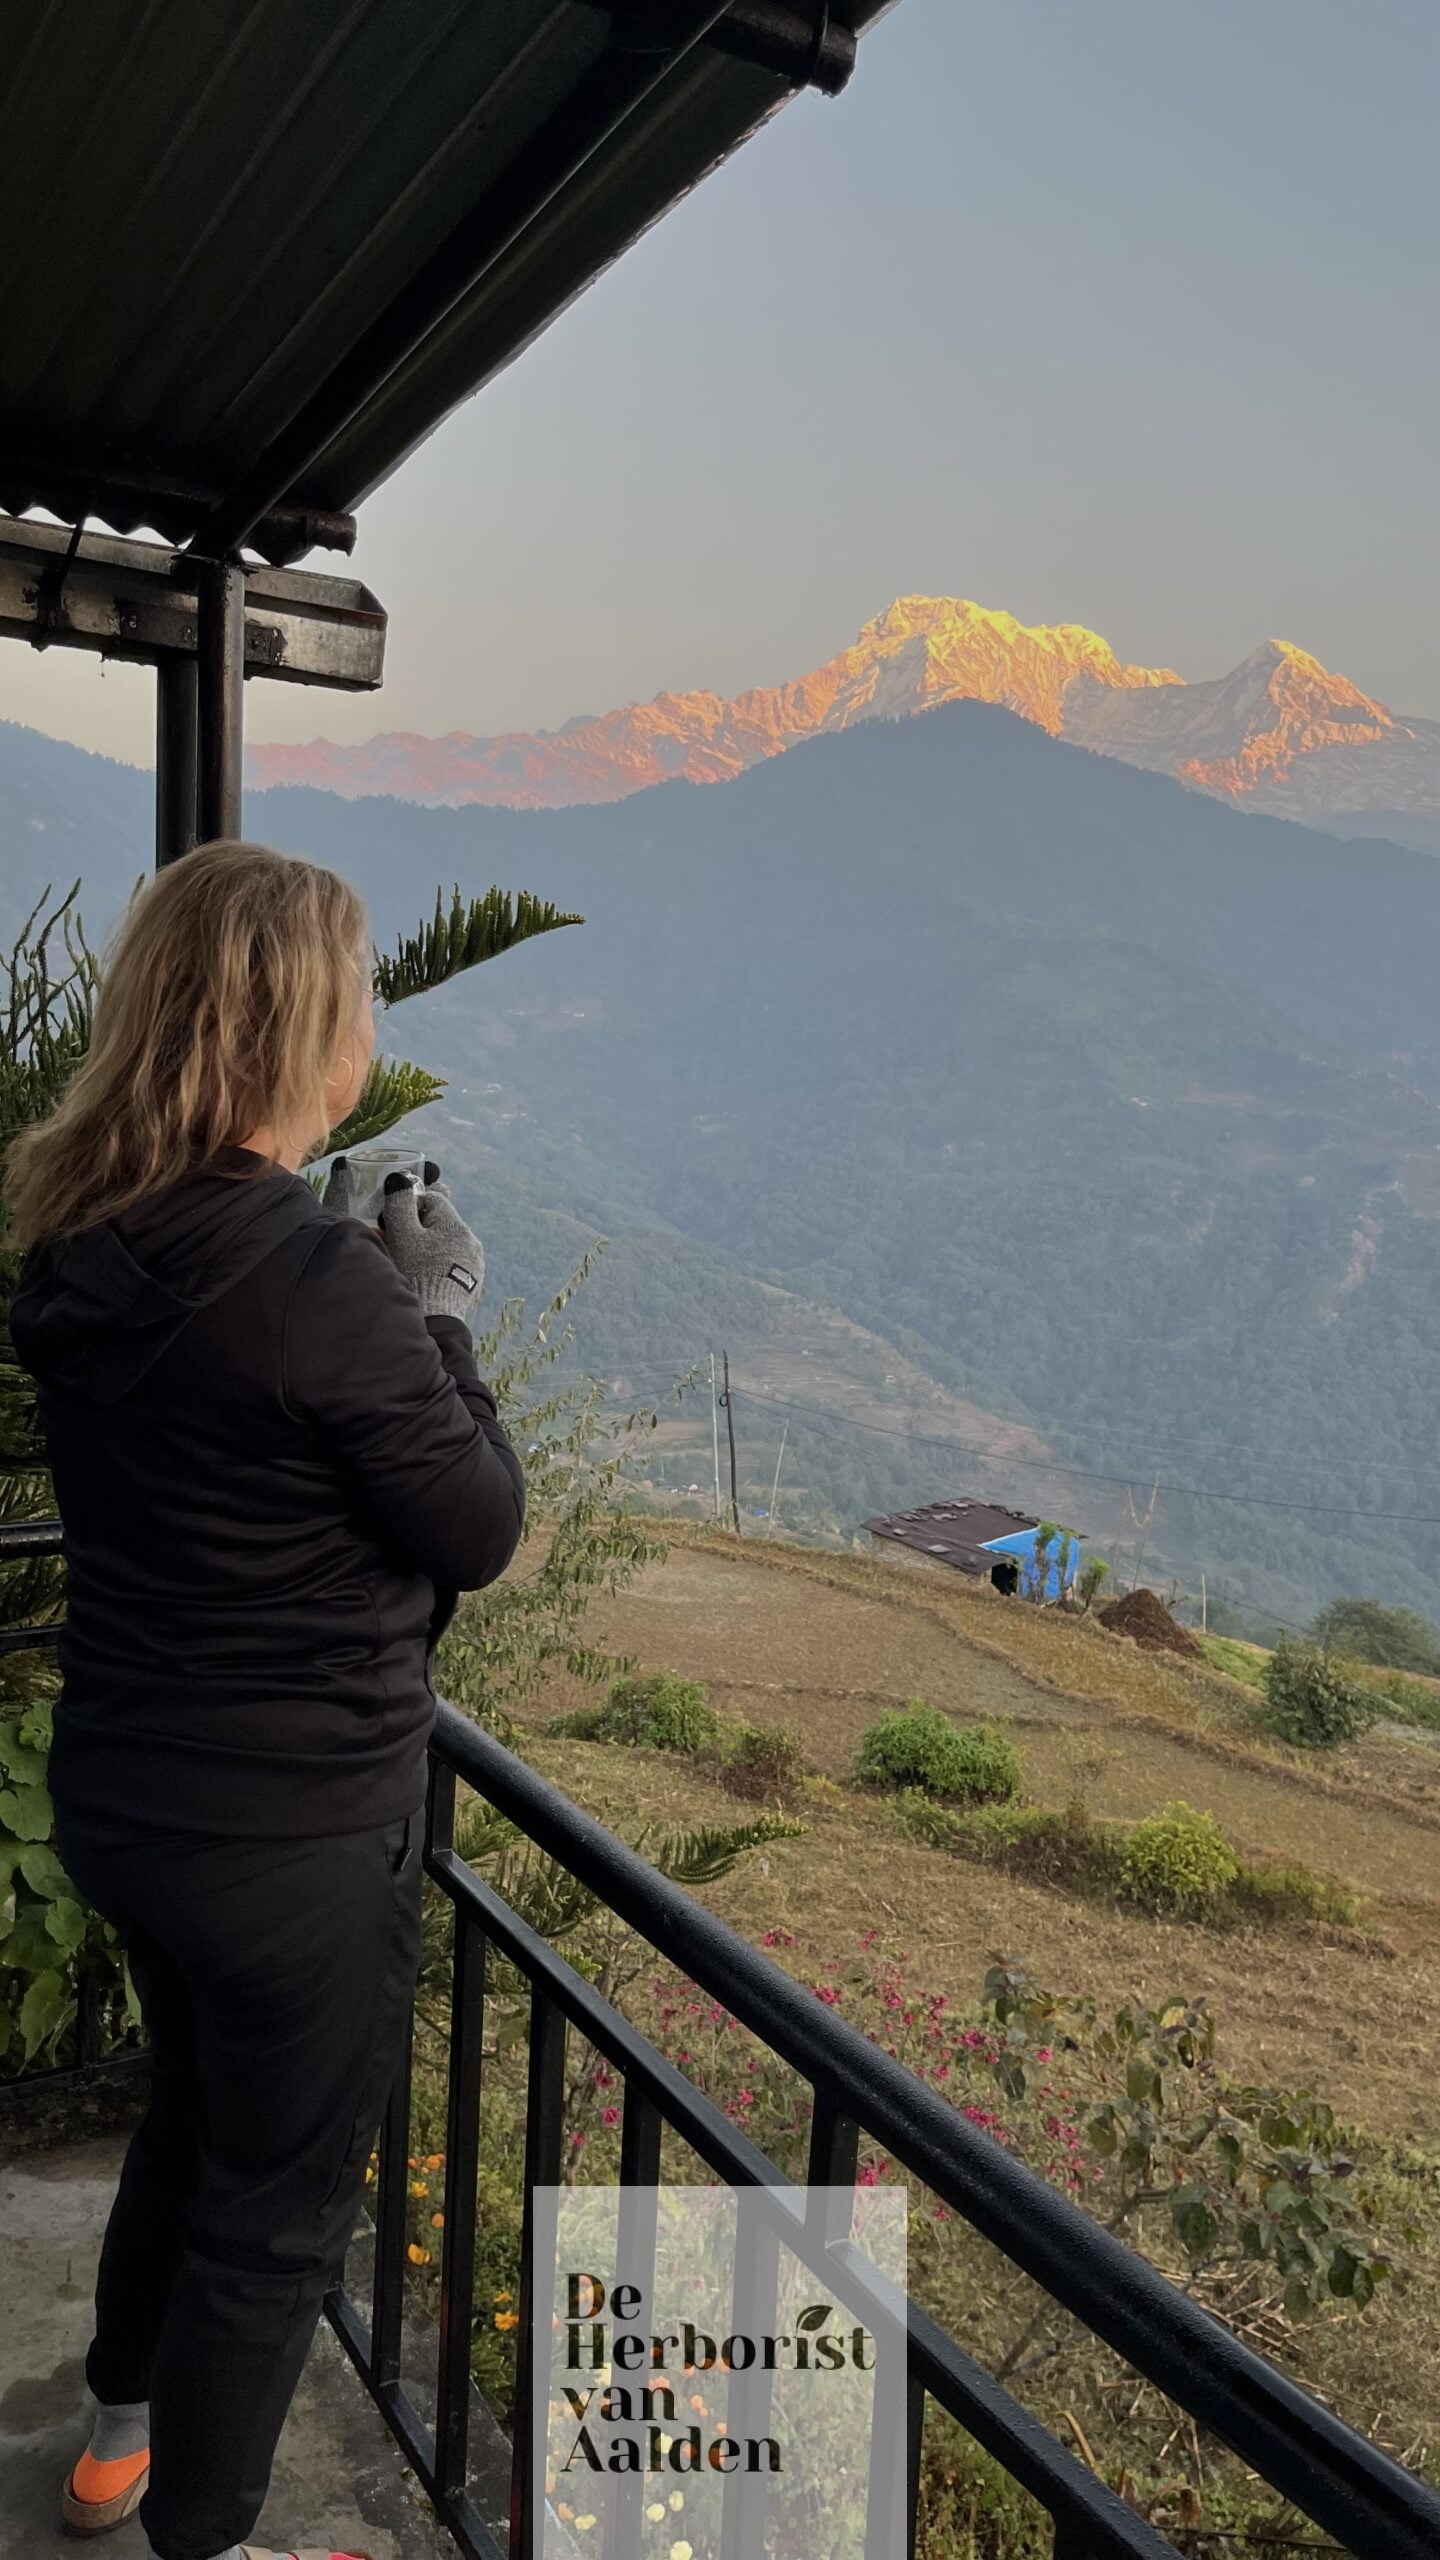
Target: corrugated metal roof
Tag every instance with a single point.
(967, 1522)
(203, 208)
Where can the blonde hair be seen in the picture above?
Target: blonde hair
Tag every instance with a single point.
(225, 998)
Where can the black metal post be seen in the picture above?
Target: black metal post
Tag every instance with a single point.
(544, 2140)
(457, 2256)
(220, 655)
(176, 725)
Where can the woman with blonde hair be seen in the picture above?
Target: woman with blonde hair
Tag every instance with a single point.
(276, 1466)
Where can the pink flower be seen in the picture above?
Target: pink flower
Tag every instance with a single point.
(609, 2115)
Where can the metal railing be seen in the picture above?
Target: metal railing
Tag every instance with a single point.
(1371, 2506)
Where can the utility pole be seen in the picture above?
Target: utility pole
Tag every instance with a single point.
(775, 1488)
(1142, 1528)
(715, 1433)
(1204, 1609)
(730, 1427)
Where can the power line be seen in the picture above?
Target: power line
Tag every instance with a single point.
(1088, 1475)
(662, 1380)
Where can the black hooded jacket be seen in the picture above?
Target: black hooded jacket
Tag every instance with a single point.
(274, 1475)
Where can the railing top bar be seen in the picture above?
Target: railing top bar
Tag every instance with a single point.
(30, 1538)
(1367, 2501)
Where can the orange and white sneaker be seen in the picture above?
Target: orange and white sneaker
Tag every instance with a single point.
(99, 2495)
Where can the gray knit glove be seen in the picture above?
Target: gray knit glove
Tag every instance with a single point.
(431, 1246)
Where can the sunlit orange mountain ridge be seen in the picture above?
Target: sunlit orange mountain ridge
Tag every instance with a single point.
(1279, 732)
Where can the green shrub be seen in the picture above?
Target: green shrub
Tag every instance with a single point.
(1178, 1861)
(1067, 1850)
(1407, 1701)
(1296, 1892)
(762, 1764)
(918, 1747)
(652, 1710)
(1312, 1701)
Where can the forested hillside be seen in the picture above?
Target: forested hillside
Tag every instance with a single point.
(1118, 1107)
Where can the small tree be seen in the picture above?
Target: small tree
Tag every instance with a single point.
(1051, 1559)
(1093, 1575)
(1311, 1702)
(1365, 1630)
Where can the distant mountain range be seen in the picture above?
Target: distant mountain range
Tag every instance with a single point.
(1003, 1110)
(1279, 733)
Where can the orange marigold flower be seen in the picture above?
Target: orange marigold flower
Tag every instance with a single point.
(418, 2257)
(435, 2161)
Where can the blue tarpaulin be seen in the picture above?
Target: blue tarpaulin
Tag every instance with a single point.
(1062, 1559)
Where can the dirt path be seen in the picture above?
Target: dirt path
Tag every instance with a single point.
(738, 1624)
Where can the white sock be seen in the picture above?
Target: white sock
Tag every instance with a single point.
(235, 2552)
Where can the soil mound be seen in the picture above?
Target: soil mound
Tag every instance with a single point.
(1146, 1621)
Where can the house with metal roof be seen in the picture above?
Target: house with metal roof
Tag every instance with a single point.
(984, 1540)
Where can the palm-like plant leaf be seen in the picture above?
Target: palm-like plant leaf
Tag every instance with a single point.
(392, 1088)
(462, 938)
(704, 1856)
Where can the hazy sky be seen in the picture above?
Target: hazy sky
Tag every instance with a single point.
(1121, 314)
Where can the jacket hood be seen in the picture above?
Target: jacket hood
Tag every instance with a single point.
(94, 1312)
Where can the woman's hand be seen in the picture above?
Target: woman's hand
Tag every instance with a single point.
(431, 1246)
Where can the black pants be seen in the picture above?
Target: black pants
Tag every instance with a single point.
(275, 1977)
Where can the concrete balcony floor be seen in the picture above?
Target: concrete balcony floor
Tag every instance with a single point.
(338, 2481)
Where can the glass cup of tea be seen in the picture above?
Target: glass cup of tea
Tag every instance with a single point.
(370, 1168)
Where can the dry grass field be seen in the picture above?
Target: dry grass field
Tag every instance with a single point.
(822, 1645)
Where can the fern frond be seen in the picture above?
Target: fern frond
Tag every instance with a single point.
(461, 939)
(392, 1088)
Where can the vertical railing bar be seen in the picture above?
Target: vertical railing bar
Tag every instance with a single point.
(750, 2390)
(916, 2402)
(440, 1809)
(462, 2166)
(831, 2169)
(641, 2135)
(544, 2139)
(388, 2297)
